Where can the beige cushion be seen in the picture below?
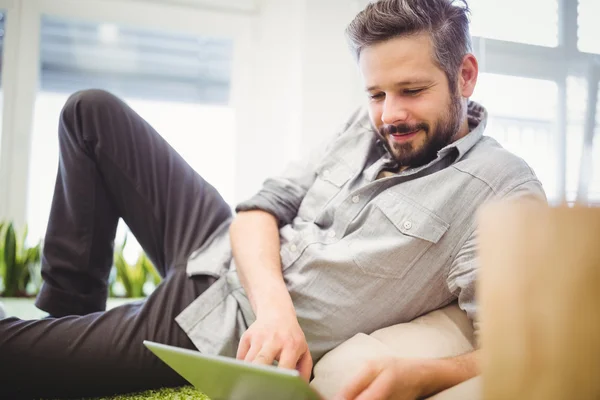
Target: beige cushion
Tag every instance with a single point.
(442, 333)
(468, 390)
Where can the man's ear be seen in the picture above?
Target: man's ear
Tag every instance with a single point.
(467, 79)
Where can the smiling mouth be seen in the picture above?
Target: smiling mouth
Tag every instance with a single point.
(403, 137)
(406, 133)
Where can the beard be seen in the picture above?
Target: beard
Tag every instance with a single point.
(446, 128)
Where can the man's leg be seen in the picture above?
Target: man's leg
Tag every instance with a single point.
(113, 164)
(100, 353)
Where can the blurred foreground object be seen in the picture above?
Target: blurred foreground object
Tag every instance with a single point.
(539, 295)
(586, 166)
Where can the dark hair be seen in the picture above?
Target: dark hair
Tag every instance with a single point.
(446, 22)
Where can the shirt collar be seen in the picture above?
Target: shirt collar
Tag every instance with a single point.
(478, 117)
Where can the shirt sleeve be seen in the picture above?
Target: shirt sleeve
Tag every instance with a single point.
(462, 277)
(281, 196)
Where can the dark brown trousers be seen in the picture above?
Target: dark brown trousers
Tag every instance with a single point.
(112, 165)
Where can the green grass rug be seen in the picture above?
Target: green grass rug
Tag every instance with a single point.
(183, 393)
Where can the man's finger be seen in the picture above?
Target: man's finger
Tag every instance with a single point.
(379, 389)
(305, 365)
(358, 384)
(243, 348)
(267, 354)
(255, 347)
(289, 358)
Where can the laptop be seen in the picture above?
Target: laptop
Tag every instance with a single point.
(224, 378)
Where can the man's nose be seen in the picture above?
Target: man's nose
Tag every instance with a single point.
(394, 111)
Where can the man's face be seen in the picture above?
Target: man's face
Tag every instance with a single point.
(410, 103)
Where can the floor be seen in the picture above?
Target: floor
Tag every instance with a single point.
(24, 308)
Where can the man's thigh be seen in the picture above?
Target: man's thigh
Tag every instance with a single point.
(100, 353)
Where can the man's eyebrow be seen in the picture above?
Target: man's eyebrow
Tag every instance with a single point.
(408, 82)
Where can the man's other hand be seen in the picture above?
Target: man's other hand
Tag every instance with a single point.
(385, 379)
(408, 379)
(276, 335)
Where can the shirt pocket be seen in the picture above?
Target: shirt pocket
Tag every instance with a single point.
(394, 237)
(331, 177)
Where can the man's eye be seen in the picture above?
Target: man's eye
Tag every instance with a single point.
(412, 92)
(377, 96)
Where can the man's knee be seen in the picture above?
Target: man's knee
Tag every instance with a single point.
(91, 98)
(88, 102)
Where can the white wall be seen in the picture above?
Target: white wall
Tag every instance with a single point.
(304, 84)
(332, 88)
(234, 5)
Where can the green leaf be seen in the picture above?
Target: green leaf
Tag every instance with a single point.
(32, 255)
(2, 269)
(151, 270)
(21, 250)
(124, 243)
(138, 273)
(11, 272)
(122, 273)
(24, 277)
(35, 276)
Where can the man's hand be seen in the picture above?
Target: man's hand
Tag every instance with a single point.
(408, 379)
(276, 335)
(389, 379)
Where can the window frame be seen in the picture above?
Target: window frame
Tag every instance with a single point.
(23, 49)
(548, 63)
(12, 12)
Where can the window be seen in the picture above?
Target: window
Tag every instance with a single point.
(522, 114)
(179, 84)
(2, 31)
(576, 109)
(530, 22)
(588, 31)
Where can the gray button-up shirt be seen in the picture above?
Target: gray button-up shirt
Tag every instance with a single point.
(360, 253)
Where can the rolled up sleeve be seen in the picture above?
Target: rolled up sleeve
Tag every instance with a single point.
(462, 278)
(281, 196)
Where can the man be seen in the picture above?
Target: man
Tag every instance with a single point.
(376, 229)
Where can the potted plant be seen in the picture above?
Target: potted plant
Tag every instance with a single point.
(20, 272)
(19, 264)
(135, 278)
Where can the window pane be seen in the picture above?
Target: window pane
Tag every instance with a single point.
(531, 21)
(576, 109)
(2, 18)
(179, 84)
(589, 30)
(522, 114)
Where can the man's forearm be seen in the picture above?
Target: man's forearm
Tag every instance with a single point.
(440, 374)
(255, 244)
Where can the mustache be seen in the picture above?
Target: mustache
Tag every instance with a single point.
(387, 130)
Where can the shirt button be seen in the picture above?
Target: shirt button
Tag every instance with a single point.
(356, 199)
(293, 248)
(407, 225)
(331, 234)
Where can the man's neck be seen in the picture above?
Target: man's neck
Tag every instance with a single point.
(463, 131)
